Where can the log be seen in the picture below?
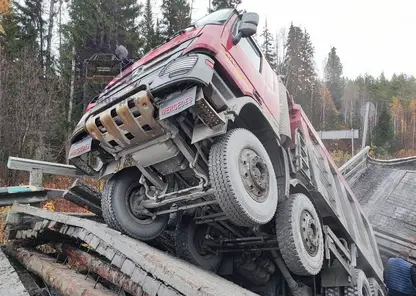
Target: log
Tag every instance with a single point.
(58, 276)
(103, 269)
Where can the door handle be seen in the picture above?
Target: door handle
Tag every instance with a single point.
(257, 96)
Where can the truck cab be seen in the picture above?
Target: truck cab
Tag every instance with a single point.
(200, 137)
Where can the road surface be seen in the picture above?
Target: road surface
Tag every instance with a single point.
(388, 195)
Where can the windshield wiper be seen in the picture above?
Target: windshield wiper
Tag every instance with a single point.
(180, 32)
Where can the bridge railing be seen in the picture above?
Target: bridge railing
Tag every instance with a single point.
(35, 193)
(353, 168)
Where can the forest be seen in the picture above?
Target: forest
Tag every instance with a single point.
(44, 89)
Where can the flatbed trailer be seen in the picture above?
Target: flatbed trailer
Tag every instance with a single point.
(115, 262)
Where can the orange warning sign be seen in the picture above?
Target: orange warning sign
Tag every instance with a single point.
(4, 6)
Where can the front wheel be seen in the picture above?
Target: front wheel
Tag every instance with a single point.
(120, 203)
(243, 178)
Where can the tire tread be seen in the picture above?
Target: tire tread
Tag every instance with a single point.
(286, 239)
(182, 247)
(109, 214)
(221, 180)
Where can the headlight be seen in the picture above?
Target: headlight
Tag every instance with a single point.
(179, 66)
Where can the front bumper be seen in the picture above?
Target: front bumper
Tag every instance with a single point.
(129, 119)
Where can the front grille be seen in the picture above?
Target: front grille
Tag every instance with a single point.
(180, 66)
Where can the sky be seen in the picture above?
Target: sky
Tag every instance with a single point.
(371, 36)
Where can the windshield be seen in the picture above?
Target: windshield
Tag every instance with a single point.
(218, 17)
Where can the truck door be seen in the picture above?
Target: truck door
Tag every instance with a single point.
(249, 58)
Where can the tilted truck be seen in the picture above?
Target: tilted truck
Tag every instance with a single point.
(201, 135)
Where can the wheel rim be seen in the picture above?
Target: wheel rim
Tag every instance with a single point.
(199, 237)
(310, 232)
(135, 195)
(255, 174)
(365, 291)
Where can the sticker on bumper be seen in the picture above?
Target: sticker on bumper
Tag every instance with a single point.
(177, 104)
(80, 148)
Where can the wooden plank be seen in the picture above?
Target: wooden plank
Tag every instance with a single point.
(182, 276)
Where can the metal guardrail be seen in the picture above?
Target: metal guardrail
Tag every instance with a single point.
(391, 246)
(37, 168)
(34, 192)
(392, 162)
(357, 163)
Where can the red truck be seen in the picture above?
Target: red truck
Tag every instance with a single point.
(201, 136)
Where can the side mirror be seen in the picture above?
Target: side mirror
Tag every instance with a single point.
(121, 52)
(248, 26)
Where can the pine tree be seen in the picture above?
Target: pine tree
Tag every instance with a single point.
(147, 27)
(176, 16)
(269, 48)
(299, 68)
(25, 28)
(98, 27)
(158, 40)
(308, 67)
(221, 4)
(383, 132)
(333, 77)
(293, 60)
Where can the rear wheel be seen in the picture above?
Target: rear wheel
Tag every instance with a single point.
(243, 178)
(361, 288)
(334, 291)
(120, 203)
(189, 244)
(375, 288)
(299, 235)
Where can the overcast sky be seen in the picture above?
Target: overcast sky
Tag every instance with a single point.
(370, 35)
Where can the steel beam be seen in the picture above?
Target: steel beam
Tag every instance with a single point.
(30, 165)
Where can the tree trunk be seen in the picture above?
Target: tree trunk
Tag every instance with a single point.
(50, 33)
(65, 280)
(101, 268)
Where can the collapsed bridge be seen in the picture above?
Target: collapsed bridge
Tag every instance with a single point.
(386, 190)
(119, 264)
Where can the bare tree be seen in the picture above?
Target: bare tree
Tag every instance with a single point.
(30, 110)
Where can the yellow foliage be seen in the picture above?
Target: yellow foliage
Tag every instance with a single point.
(340, 157)
(49, 206)
(405, 153)
(3, 213)
(4, 6)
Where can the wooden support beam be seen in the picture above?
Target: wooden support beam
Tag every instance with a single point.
(63, 279)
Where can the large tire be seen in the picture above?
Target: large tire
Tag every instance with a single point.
(375, 287)
(361, 288)
(117, 212)
(272, 288)
(186, 245)
(333, 291)
(299, 235)
(247, 196)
